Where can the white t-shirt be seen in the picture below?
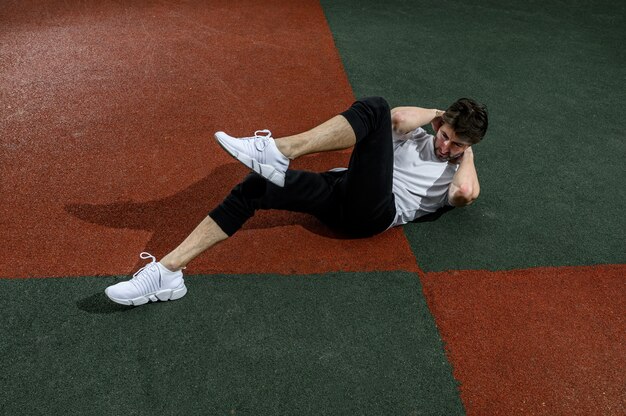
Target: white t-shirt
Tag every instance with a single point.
(420, 179)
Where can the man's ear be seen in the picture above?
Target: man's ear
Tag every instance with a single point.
(436, 123)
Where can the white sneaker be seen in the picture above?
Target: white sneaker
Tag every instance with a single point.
(259, 153)
(151, 283)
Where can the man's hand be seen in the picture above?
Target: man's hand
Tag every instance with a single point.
(459, 159)
(437, 121)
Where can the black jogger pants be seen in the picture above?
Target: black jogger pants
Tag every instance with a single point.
(358, 201)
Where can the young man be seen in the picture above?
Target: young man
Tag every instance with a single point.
(397, 173)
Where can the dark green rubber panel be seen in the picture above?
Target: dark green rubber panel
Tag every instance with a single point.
(552, 73)
(334, 344)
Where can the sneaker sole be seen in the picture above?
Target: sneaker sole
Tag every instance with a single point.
(161, 295)
(269, 172)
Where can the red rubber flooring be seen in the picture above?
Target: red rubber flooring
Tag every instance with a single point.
(545, 341)
(107, 143)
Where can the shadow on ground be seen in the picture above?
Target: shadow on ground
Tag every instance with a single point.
(172, 218)
(98, 303)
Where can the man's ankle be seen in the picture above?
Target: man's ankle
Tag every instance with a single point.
(170, 265)
(285, 147)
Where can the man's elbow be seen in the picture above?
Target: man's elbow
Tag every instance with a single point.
(465, 195)
(398, 119)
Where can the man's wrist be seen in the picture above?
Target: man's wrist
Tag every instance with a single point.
(468, 156)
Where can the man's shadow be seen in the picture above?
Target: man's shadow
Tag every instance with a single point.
(172, 218)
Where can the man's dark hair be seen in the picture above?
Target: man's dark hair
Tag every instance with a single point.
(468, 119)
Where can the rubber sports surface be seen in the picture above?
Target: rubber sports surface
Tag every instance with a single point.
(512, 306)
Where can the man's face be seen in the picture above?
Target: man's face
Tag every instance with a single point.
(447, 145)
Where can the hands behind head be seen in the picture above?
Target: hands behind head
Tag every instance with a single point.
(436, 123)
(459, 159)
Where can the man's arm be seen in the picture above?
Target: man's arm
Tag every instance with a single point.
(406, 119)
(464, 188)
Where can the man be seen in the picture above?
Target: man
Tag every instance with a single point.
(397, 173)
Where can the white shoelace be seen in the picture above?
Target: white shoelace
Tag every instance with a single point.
(261, 139)
(144, 279)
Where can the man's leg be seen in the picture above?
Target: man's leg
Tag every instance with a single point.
(334, 134)
(367, 201)
(270, 158)
(303, 191)
(203, 237)
(367, 188)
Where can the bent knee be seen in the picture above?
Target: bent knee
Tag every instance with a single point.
(377, 104)
(380, 112)
(253, 186)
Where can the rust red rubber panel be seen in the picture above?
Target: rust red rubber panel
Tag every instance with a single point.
(544, 341)
(107, 116)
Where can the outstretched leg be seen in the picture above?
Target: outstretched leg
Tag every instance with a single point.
(203, 237)
(304, 191)
(162, 281)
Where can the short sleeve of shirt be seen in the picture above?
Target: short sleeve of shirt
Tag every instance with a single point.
(418, 134)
